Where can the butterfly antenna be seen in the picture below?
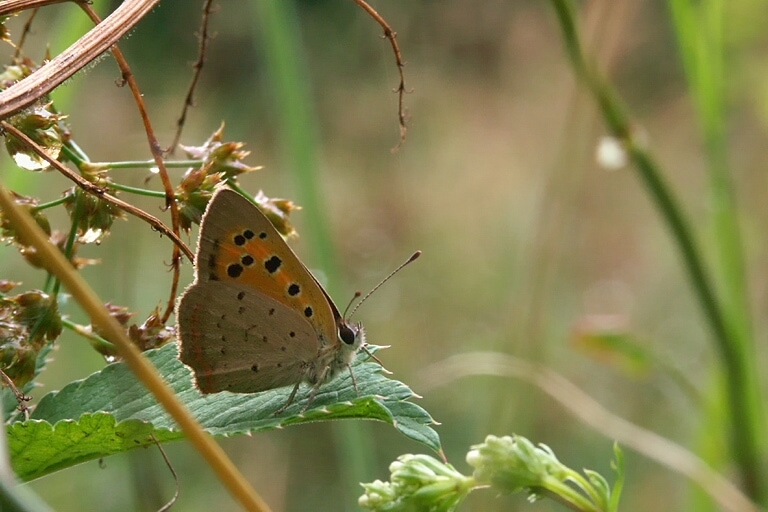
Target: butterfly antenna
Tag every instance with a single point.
(354, 298)
(398, 269)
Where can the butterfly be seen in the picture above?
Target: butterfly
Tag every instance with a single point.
(255, 318)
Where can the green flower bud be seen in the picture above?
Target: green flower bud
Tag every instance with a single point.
(418, 483)
(377, 495)
(511, 464)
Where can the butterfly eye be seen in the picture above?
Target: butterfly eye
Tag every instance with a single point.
(347, 334)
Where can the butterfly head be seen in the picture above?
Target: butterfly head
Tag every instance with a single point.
(351, 339)
(351, 336)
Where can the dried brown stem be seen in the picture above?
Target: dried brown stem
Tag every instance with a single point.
(95, 42)
(25, 32)
(174, 499)
(400, 89)
(16, 6)
(157, 155)
(198, 67)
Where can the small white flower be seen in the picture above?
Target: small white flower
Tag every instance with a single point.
(610, 154)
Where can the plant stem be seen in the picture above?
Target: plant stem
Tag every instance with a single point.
(744, 438)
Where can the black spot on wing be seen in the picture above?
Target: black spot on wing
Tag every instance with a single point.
(273, 264)
(234, 270)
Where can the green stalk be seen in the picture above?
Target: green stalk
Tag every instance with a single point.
(699, 27)
(743, 401)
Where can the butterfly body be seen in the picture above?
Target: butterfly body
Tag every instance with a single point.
(255, 318)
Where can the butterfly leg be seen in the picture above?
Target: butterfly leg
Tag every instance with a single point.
(316, 387)
(289, 401)
(354, 382)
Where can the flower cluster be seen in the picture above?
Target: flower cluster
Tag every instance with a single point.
(418, 482)
(506, 464)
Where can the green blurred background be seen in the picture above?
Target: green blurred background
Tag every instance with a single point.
(524, 236)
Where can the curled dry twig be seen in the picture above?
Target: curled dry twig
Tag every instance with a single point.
(204, 37)
(400, 89)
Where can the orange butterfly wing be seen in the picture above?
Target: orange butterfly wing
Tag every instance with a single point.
(238, 243)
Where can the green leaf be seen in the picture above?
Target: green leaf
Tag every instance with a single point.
(59, 421)
(38, 448)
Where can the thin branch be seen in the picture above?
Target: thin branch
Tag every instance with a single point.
(16, 6)
(25, 32)
(157, 155)
(198, 67)
(400, 89)
(175, 497)
(20, 396)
